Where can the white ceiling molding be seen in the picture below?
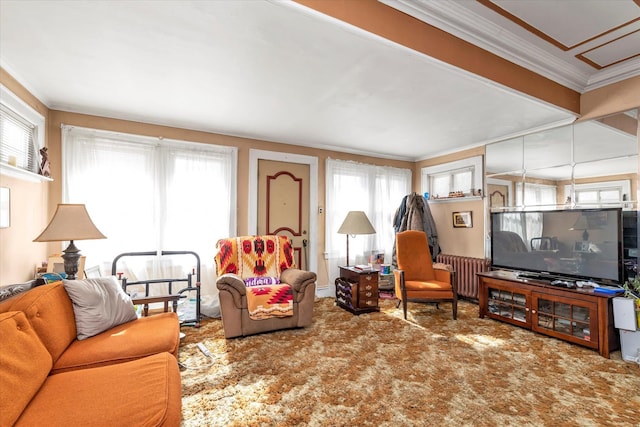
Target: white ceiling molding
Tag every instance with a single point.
(461, 21)
(614, 74)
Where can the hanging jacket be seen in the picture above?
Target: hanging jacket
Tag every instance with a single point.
(414, 214)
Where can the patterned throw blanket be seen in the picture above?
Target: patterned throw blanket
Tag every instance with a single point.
(269, 301)
(259, 260)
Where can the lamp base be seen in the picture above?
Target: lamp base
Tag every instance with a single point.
(71, 255)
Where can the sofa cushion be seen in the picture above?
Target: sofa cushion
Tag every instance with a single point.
(128, 341)
(143, 392)
(50, 312)
(24, 365)
(99, 304)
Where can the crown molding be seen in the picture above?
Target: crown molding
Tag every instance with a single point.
(616, 73)
(461, 22)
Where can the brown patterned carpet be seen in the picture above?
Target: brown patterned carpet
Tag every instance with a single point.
(379, 370)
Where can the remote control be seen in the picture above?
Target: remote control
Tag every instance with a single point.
(587, 283)
(204, 349)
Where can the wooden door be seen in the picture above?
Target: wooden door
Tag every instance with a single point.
(283, 204)
(498, 195)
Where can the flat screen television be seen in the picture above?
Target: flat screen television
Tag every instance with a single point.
(576, 244)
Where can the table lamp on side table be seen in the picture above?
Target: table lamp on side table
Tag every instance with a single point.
(70, 222)
(355, 223)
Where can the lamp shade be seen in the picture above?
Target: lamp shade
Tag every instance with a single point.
(70, 222)
(581, 224)
(356, 222)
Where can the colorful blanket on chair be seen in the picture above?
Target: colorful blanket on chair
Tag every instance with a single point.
(269, 301)
(254, 256)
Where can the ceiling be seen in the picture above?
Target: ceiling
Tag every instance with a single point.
(279, 71)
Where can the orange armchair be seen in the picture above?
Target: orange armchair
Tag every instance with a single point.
(416, 278)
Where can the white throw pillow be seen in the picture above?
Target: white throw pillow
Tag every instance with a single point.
(98, 304)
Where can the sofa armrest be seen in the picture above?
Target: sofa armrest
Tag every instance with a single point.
(232, 283)
(298, 279)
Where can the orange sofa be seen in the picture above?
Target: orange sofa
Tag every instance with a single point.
(127, 375)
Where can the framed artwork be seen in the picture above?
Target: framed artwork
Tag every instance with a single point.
(55, 264)
(5, 207)
(462, 219)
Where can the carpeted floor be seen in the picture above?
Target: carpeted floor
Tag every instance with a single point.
(378, 370)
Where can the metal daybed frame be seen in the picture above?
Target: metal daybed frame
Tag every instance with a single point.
(178, 295)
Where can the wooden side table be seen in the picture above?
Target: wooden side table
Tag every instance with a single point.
(357, 290)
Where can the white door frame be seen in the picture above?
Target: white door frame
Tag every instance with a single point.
(254, 156)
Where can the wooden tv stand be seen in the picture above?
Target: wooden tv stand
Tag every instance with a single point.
(579, 316)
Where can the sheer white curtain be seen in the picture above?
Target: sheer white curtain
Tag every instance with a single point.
(534, 195)
(150, 194)
(376, 190)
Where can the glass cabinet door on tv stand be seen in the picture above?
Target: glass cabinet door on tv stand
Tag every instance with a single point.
(568, 319)
(509, 304)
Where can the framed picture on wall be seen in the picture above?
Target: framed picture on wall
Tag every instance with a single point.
(462, 219)
(5, 208)
(55, 264)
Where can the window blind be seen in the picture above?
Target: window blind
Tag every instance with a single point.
(17, 138)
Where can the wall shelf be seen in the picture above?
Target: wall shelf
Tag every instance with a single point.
(454, 199)
(20, 173)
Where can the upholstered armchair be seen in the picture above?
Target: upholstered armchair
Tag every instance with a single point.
(260, 287)
(416, 279)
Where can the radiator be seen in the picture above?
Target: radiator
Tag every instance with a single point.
(466, 269)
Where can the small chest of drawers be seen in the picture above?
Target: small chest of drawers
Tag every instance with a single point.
(357, 290)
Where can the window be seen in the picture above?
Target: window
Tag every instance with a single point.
(461, 175)
(443, 183)
(376, 190)
(600, 193)
(149, 194)
(536, 195)
(21, 133)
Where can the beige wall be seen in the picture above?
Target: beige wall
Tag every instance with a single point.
(456, 241)
(29, 215)
(29, 211)
(34, 203)
(615, 98)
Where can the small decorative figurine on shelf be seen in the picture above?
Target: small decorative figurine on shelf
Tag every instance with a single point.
(45, 167)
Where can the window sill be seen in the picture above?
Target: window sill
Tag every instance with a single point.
(455, 199)
(20, 173)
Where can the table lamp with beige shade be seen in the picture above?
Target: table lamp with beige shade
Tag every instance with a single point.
(69, 223)
(356, 222)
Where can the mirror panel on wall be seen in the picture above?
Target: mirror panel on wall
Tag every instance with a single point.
(548, 148)
(600, 153)
(505, 157)
(595, 141)
(607, 167)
